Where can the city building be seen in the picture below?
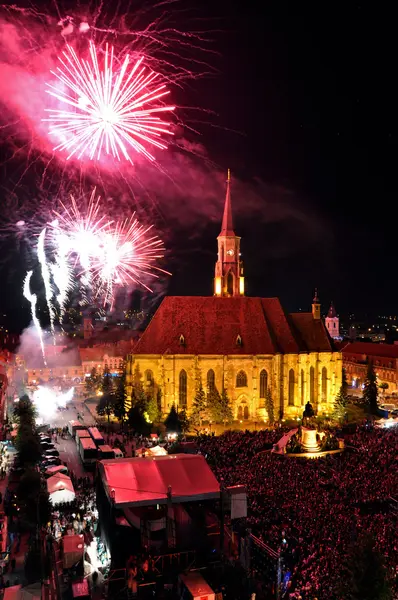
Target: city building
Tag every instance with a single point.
(384, 357)
(332, 323)
(245, 345)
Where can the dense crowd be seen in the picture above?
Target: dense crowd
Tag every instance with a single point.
(314, 510)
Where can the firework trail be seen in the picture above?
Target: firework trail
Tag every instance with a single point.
(62, 274)
(32, 298)
(105, 109)
(46, 275)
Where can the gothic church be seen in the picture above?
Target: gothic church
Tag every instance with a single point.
(245, 344)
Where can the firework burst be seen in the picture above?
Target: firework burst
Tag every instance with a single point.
(104, 253)
(127, 253)
(107, 110)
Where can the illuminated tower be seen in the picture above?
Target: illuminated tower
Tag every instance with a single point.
(332, 322)
(316, 306)
(228, 280)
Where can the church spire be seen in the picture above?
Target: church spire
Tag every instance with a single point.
(228, 280)
(316, 306)
(227, 227)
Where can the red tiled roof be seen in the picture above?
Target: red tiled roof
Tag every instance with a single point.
(211, 325)
(370, 349)
(312, 332)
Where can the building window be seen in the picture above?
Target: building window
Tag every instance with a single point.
(291, 387)
(183, 388)
(241, 379)
(210, 381)
(312, 385)
(230, 284)
(324, 384)
(302, 387)
(149, 377)
(263, 383)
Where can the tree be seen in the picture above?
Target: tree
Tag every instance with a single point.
(27, 444)
(138, 395)
(137, 421)
(219, 407)
(199, 405)
(341, 401)
(153, 409)
(92, 382)
(106, 382)
(120, 398)
(364, 574)
(24, 411)
(184, 421)
(33, 499)
(172, 421)
(269, 406)
(370, 391)
(105, 406)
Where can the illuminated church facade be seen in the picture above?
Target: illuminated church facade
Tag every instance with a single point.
(246, 345)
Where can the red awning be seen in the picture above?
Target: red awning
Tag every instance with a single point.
(145, 481)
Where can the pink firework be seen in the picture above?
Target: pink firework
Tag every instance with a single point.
(128, 254)
(116, 111)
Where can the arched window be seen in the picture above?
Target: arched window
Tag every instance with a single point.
(291, 387)
(246, 412)
(241, 379)
(312, 385)
(230, 284)
(183, 388)
(240, 412)
(302, 388)
(149, 377)
(210, 381)
(263, 383)
(324, 384)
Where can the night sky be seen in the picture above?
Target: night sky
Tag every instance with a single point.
(305, 107)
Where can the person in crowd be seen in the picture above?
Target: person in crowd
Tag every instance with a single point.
(312, 510)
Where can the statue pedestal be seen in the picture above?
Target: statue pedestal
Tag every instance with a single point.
(309, 440)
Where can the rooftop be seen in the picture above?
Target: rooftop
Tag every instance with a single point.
(146, 481)
(231, 326)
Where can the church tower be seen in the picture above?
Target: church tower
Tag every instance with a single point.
(316, 306)
(228, 280)
(332, 322)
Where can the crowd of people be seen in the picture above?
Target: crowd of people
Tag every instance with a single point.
(313, 511)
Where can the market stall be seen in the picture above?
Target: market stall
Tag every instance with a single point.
(60, 489)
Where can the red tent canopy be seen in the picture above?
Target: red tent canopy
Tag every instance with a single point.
(145, 481)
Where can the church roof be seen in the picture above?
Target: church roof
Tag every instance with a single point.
(230, 326)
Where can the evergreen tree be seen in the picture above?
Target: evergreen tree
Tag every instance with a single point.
(341, 401)
(269, 406)
(105, 406)
(137, 421)
(184, 421)
(92, 382)
(213, 405)
(153, 408)
(220, 407)
(119, 405)
(365, 577)
(370, 391)
(199, 405)
(106, 382)
(172, 421)
(138, 395)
